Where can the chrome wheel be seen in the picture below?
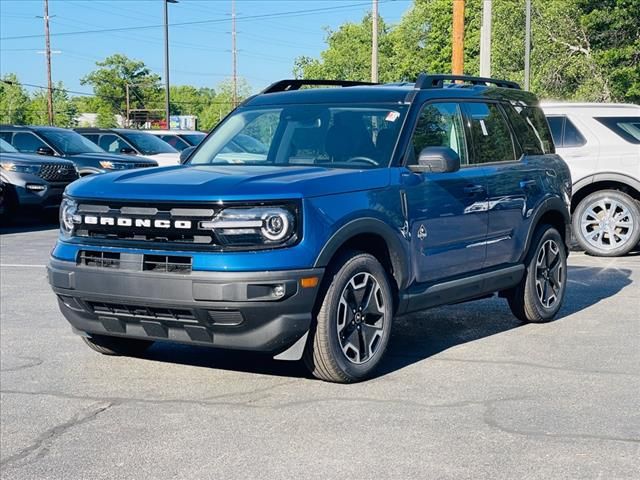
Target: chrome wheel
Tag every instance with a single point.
(607, 224)
(549, 274)
(361, 318)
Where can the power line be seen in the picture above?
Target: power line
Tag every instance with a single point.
(292, 13)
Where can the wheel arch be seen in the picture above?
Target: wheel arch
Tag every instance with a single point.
(604, 181)
(372, 236)
(553, 211)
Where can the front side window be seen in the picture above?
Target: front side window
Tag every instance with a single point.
(439, 125)
(627, 128)
(332, 136)
(27, 142)
(490, 135)
(69, 142)
(113, 144)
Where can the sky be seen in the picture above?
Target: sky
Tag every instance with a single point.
(200, 54)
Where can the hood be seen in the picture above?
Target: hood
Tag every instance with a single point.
(28, 158)
(184, 183)
(113, 157)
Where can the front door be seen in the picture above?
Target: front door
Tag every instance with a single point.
(447, 211)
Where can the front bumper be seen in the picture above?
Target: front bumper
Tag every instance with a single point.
(220, 309)
(32, 191)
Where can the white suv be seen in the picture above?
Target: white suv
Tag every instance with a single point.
(601, 144)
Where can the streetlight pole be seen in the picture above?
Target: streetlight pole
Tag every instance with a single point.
(374, 43)
(166, 60)
(527, 45)
(485, 40)
(48, 59)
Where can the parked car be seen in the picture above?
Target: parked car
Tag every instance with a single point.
(60, 142)
(372, 201)
(32, 180)
(179, 139)
(132, 142)
(601, 144)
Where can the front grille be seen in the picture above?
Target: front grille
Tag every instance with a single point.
(128, 224)
(142, 312)
(99, 259)
(58, 172)
(135, 262)
(166, 264)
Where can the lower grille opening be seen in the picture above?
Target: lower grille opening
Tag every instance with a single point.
(99, 259)
(166, 264)
(141, 311)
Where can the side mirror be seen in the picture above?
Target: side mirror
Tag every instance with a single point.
(127, 151)
(437, 160)
(185, 154)
(45, 151)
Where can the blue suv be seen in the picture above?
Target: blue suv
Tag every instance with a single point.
(367, 202)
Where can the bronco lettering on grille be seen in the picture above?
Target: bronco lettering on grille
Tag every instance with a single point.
(136, 222)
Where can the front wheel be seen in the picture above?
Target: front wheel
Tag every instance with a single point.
(353, 324)
(538, 296)
(107, 345)
(607, 223)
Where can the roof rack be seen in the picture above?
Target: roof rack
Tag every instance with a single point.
(425, 81)
(296, 84)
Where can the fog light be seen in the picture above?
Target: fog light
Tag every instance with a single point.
(35, 187)
(278, 291)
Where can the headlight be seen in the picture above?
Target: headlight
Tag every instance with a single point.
(21, 168)
(109, 165)
(236, 226)
(68, 217)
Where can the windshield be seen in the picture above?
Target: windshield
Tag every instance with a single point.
(69, 142)
(193, 138)
(146, 143)
(332, 136)
(6, 147)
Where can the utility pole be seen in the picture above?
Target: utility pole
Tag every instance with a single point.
(234, 54)
(485, 39)
(166, 61)
(527, 45)
(126, 120)
(457, 57)
(374, 43)
(48, 60)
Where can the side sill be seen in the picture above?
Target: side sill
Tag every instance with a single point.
(455, 291)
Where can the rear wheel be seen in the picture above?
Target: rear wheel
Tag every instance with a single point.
(353, 325)
(116, 345)
(538, 296)
(607, 223)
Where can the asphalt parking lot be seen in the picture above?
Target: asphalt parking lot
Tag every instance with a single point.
(467, 392)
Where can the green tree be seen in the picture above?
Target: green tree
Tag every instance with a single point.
(64, 109)
(13, 100)
(189, 100)
(222, 103)
(110, 83)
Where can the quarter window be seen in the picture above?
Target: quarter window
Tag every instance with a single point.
(531, 128)
(490, 134)
(572, 136)
(556, 124)
(439, 125)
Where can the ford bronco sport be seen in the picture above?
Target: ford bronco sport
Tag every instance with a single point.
(370, 201)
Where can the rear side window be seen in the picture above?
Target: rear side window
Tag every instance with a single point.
(627, 128)
(490, 134)
(531, 129)
(175, 141)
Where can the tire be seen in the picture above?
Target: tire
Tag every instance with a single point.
(352, 326)
(607, 223)
(539, 295)
(117, 346)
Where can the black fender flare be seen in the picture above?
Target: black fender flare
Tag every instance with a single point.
(369, 225)
(552, 204)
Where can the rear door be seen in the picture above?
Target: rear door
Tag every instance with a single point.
(447, 211)
(514, 174)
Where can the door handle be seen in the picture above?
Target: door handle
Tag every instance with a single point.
(524, 184)
(474, 189)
